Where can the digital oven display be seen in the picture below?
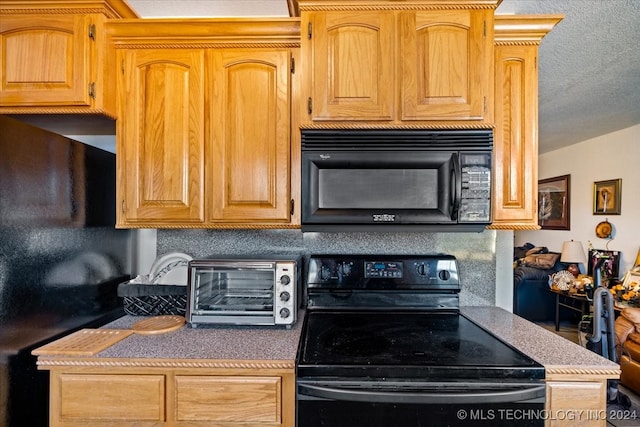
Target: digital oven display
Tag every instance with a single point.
(383, 269)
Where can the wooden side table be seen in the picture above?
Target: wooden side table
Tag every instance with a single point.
(575, 302)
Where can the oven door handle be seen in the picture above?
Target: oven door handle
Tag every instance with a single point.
(471, 396)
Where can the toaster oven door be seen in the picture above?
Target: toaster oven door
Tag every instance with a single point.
(233, 295)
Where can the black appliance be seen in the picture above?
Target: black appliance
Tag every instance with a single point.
(389, 179)
(61, 258)
(384, 343)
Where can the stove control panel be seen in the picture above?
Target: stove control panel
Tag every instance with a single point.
(363, 272)
(383, 269)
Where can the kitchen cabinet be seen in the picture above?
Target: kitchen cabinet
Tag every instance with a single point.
(249, 148)
(124, 395)
(160, 136)
(207, 138)
(383, 62)
(53, 57)
(515, 166)
(574, 399)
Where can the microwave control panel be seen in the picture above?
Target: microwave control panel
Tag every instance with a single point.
(475, 203)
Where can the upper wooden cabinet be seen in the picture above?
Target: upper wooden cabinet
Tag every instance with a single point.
(160, 140)
(53, 56)
(515, 167)
(393, 63)
(205, 138)
(249, 148)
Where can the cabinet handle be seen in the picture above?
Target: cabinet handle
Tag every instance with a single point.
(92, 90)
(309, 30)
(92, 31)
(292, 205)
(309, 105)
(122, 206)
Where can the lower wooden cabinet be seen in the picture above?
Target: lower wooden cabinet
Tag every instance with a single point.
(123, 396)
(575, 398)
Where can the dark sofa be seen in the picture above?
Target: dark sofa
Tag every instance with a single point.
(531, 296)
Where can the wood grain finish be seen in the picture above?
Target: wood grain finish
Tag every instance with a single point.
(150, 395)
(208, 142)
(226, 399)
(445, 64)
(515, 191)
(53, 57)
(397, 62)
(352, 75)
(160, 141)
(47, 60)
(91, 398)
(248, 163)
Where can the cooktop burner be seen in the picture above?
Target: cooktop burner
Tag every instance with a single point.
(384, 343)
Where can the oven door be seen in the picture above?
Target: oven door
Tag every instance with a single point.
(412, 404)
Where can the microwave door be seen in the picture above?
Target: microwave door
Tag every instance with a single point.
(373, 187)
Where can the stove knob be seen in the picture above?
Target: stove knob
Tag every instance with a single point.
(325, 273)
(284, 313)
(345, 268)
(285, 280)
(284, 296)
(444, 275)
(422, 270)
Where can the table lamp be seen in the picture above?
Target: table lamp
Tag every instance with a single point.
(573, 254)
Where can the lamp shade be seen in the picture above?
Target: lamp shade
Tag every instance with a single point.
(573, 252)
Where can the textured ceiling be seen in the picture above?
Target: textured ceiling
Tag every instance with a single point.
(589, 64)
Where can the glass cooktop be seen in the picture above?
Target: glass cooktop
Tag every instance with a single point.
(387, 343)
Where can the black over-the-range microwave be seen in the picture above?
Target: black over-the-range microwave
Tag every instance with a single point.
(396, 179)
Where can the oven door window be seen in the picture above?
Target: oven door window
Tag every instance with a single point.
(233, 291)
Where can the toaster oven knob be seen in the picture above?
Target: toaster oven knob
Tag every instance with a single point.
(284, 313)
(284, 296)
(285, 280)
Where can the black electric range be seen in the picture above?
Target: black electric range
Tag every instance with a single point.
(384, 343)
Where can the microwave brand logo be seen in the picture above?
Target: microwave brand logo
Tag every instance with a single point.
(384, 218)
(325, 156)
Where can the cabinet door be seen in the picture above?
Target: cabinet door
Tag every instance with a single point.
(516, 138)
(160, 145)
(248, 163)
(107, 400)
(45, 60)
(445, 57)
(229, 400)
(352, 64)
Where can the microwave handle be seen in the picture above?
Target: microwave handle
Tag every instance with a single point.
(456, 186)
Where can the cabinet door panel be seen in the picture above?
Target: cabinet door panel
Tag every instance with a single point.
(254, 400)
(516, 141)
(352, 66)
(45, 60)
(91, 397)
(250, 146)
(161, 147)
(444, 68)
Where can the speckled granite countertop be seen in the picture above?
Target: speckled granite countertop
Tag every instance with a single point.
(268, 343)
(208, 342)
(543, 346)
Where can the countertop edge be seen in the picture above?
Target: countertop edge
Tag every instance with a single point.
(46, 362)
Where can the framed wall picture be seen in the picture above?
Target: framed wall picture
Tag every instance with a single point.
(554, 207)
(607, 197)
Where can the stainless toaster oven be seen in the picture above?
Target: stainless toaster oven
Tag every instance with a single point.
(244, 291)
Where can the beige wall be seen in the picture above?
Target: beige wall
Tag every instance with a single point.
(611, 156)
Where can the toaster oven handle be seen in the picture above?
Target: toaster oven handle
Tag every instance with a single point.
(456, 186)
(431, 395)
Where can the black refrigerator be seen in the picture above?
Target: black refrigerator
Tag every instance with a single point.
(61, 257)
